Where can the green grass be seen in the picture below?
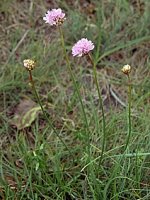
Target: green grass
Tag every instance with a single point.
(34, 164)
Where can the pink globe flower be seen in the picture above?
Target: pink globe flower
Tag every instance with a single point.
(54, 17)
(82, 47)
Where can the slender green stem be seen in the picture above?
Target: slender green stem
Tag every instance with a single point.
(101, 105)
(129, 114)
(44, 112)
(76, 87)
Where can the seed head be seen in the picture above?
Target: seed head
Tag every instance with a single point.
(126, 69)
(29, 64)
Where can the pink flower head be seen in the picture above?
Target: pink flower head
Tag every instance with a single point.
(54, 17)
(82, 47)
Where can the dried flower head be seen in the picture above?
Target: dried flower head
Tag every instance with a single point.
(82, 47)
(126, 69)
(54, 17)
(29, 64)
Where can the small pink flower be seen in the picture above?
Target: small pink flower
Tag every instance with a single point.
(54, 17)
(82, 47)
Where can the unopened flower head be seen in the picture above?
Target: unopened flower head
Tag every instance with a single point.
(82, 47)
(126, 69)
(29, 64)
(54, 17)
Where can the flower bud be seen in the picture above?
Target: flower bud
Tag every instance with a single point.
(29, 64)
(126, 69)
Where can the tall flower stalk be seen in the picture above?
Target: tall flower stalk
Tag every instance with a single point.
(56, 17)
(81, 48)
(30, 65)
(126, 70)
(76, 87)
(102, 107)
